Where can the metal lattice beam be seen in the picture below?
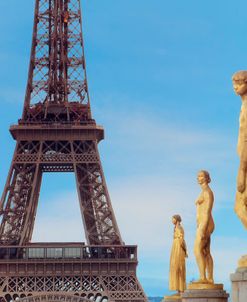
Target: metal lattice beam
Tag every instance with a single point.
(57, 83)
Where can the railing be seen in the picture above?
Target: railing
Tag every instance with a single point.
(56, 123)
(79, 252)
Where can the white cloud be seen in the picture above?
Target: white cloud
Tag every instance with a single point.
(147, 133)
(59, 219)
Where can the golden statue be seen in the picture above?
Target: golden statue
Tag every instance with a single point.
(205, 227)
(240, 87)
(177, 278)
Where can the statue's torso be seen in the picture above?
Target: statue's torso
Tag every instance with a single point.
(242, 136)
(205, 203)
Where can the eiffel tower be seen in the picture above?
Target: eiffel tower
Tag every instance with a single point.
(57, 133)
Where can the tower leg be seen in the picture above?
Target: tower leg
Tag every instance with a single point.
(98, 216)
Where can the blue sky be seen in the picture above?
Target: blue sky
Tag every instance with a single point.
(159, 75)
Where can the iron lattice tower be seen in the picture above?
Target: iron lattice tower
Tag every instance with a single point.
(57, 133)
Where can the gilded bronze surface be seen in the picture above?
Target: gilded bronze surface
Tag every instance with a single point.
(205, 227)
(240, 87)
(198, 286)
(177, 276)
(173, 298)
(242, 262)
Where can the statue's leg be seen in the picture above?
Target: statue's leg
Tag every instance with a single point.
(241, 176)
(241, 207)
(200, 258)
(209, 262)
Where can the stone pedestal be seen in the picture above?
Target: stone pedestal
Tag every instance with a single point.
(200, 292)
(173, 298)
(239, 285)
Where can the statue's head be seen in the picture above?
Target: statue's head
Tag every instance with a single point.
(203, 177)
(176, 218)
(239, 80)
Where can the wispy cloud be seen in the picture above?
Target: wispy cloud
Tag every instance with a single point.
(145, 131)
(59, 219)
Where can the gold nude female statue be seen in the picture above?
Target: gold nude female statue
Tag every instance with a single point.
(177, 278)
(205, 227)
(240, 87)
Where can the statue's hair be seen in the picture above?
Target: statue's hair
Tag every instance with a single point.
(240, 76)
(207, 175)
(177, 217)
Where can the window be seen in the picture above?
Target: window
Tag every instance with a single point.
(36, 253)
(54, 252)
(72, 252)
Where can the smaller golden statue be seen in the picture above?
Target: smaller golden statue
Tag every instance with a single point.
(240, 87)
(205, 227)
(177, 278)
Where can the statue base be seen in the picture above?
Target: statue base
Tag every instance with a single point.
(204, 292)
(172, 298)
(204, 285)
(239, 282)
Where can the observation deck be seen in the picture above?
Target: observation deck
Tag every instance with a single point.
(66, 258)
(68, 251)
(57, 131)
